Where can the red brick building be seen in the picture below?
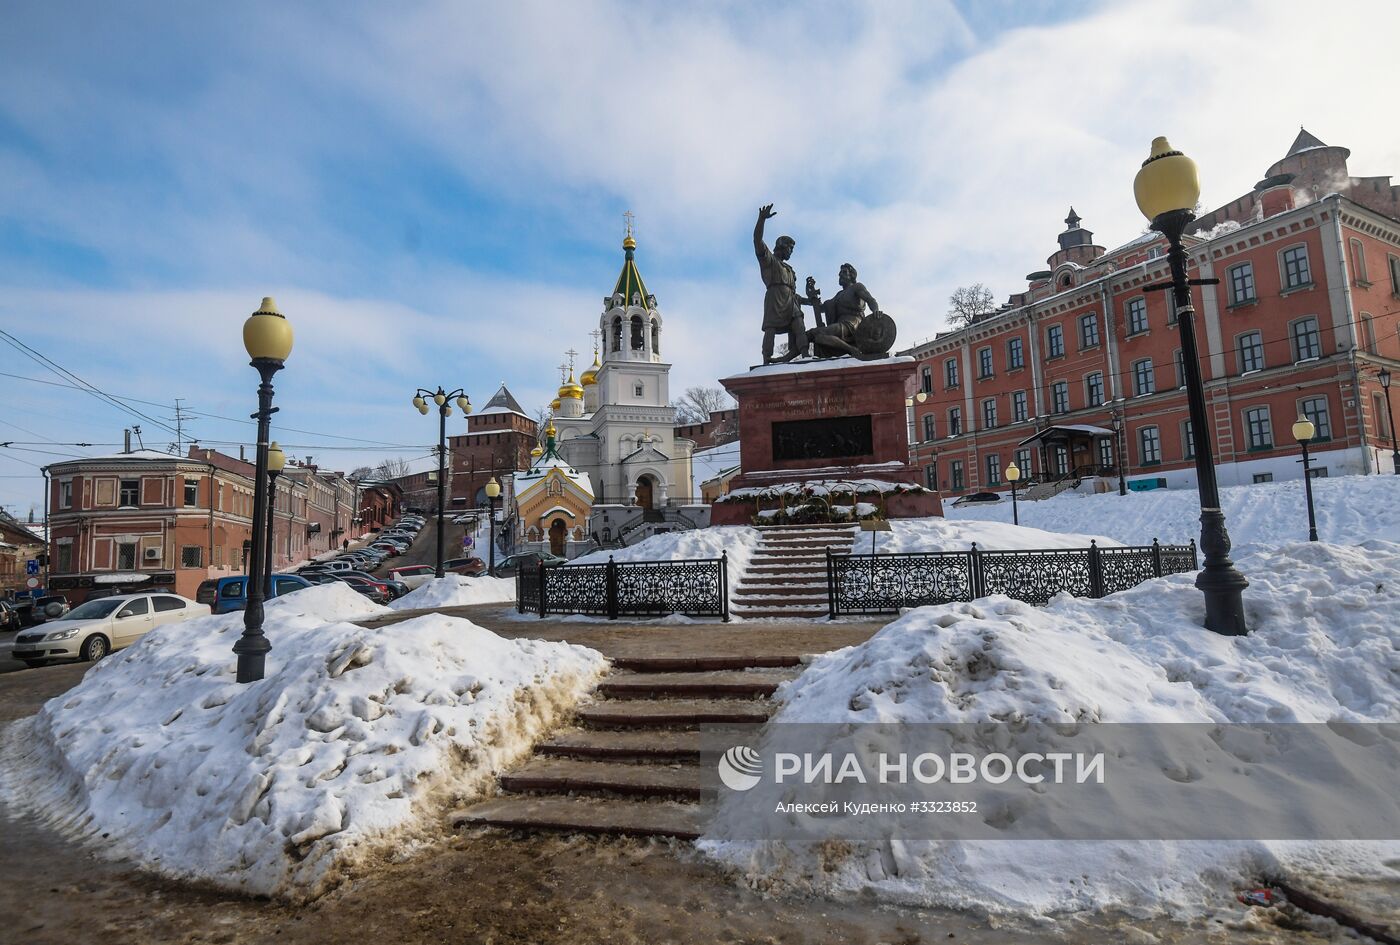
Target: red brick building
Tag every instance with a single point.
(497, 444)
(1305, 315)
(721, 427)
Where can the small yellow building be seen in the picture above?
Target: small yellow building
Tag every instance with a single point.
(553, 501)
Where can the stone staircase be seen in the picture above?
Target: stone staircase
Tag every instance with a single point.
(631, 764)
(786, 576)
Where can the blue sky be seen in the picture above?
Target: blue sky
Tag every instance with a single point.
(434, 191)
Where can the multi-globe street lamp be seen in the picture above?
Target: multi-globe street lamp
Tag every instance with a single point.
(1167, 188)
(443, 401)
(1013, 476)
(1303, 430)
(276, 462)
(267, 336)
(1390, 421)
(493, 492)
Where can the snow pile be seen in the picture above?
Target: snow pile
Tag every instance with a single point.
(1349, 509)
(940, 534)
(1324, 646)
(355, 741)
(809, 488)
(456, 590)
(739, 541)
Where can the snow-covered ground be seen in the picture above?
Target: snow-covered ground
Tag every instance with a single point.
(455, 590)
(356, 740)
(1269, 514)
(941, 534)
(1324, 646)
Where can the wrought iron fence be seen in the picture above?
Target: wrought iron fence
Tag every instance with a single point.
(697, 588)
(883, 583)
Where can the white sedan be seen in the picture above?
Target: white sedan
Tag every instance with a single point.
(97, 627)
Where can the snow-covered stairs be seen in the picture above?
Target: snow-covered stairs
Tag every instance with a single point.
(631, 766)
(786, 576)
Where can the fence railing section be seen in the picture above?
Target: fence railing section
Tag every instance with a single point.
(697, 588)
(882, 583)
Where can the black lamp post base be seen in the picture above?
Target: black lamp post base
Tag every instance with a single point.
(252, 653)
(1221, 583)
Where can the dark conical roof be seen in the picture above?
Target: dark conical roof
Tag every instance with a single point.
(1304, 141)
(629, 281)
(503, 400)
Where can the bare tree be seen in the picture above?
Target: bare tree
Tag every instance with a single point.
(969, 303)
(696, 405)
(360, 472)
(395, 468)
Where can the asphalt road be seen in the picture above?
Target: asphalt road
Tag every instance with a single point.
(424, 547)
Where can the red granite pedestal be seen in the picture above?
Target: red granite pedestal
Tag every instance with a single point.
(829, 422)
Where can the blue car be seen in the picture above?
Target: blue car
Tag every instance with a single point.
(227, 594)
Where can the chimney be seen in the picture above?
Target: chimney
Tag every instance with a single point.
(126, 440)
(241, 457)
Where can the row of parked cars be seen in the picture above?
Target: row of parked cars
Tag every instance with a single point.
(97, 627)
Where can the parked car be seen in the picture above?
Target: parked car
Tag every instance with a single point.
(471, 567)
(396, 588)
(379, 593)
(97, 627)
(506, 567)
(336, 564)
(389, 548)
(973, 497)
(37, 610)
(413, 575)
(9, 616)
(226, 594)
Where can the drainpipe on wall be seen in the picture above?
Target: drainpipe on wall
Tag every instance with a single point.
(1352, 326)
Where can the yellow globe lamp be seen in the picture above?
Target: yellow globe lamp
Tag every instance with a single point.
(1167, 181)
(1013, 473)
(439, 398)
(465, 405)
(1303, 429)
(276, 459)
(267, 335)
(421, 404)
(493, 488)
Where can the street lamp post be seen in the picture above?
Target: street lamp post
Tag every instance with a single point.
(276, 461)
(1390, 422)
(267, 336)
(1121, 448)
(443, 402)
(1167, 189)
(1303, 431)
(493, 492)
(1013, 476)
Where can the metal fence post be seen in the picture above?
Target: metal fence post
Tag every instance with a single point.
(1095, 570)
(724, 585)
(974, 571)
(1156, 558)
(519, 591)
(543, 606)
(1195, 565)
(831, 609)
(612, 588)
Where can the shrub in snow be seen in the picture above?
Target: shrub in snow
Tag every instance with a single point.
(356, 740)
(1324, 647)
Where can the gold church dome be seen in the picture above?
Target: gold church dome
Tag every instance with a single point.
(590, 376)
(571, 389)
(554, 404)
(537, 452)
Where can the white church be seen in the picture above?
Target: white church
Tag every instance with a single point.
(615, 422)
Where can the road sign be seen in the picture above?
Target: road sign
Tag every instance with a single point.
(31, 566)
(32, 583)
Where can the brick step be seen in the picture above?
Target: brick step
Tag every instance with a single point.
(785, 588)
(585, 815)
(567, 775)
(723, 683)
(702, 664)
(766, 530)
(804, 541)
(778, 557)
(661, 713)
(624, 745)
(766, 611)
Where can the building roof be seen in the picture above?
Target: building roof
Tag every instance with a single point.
(1303, 142)
(502, 402)
(629, 281)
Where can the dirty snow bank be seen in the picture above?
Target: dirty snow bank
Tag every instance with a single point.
(356, 740)
(1324, 647)
(456, 590)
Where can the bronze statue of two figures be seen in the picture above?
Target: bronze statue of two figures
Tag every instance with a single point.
(842, 326)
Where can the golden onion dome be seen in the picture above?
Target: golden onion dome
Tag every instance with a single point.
(590, 376)
(571, 388)
(537, 452)
(554, 404)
